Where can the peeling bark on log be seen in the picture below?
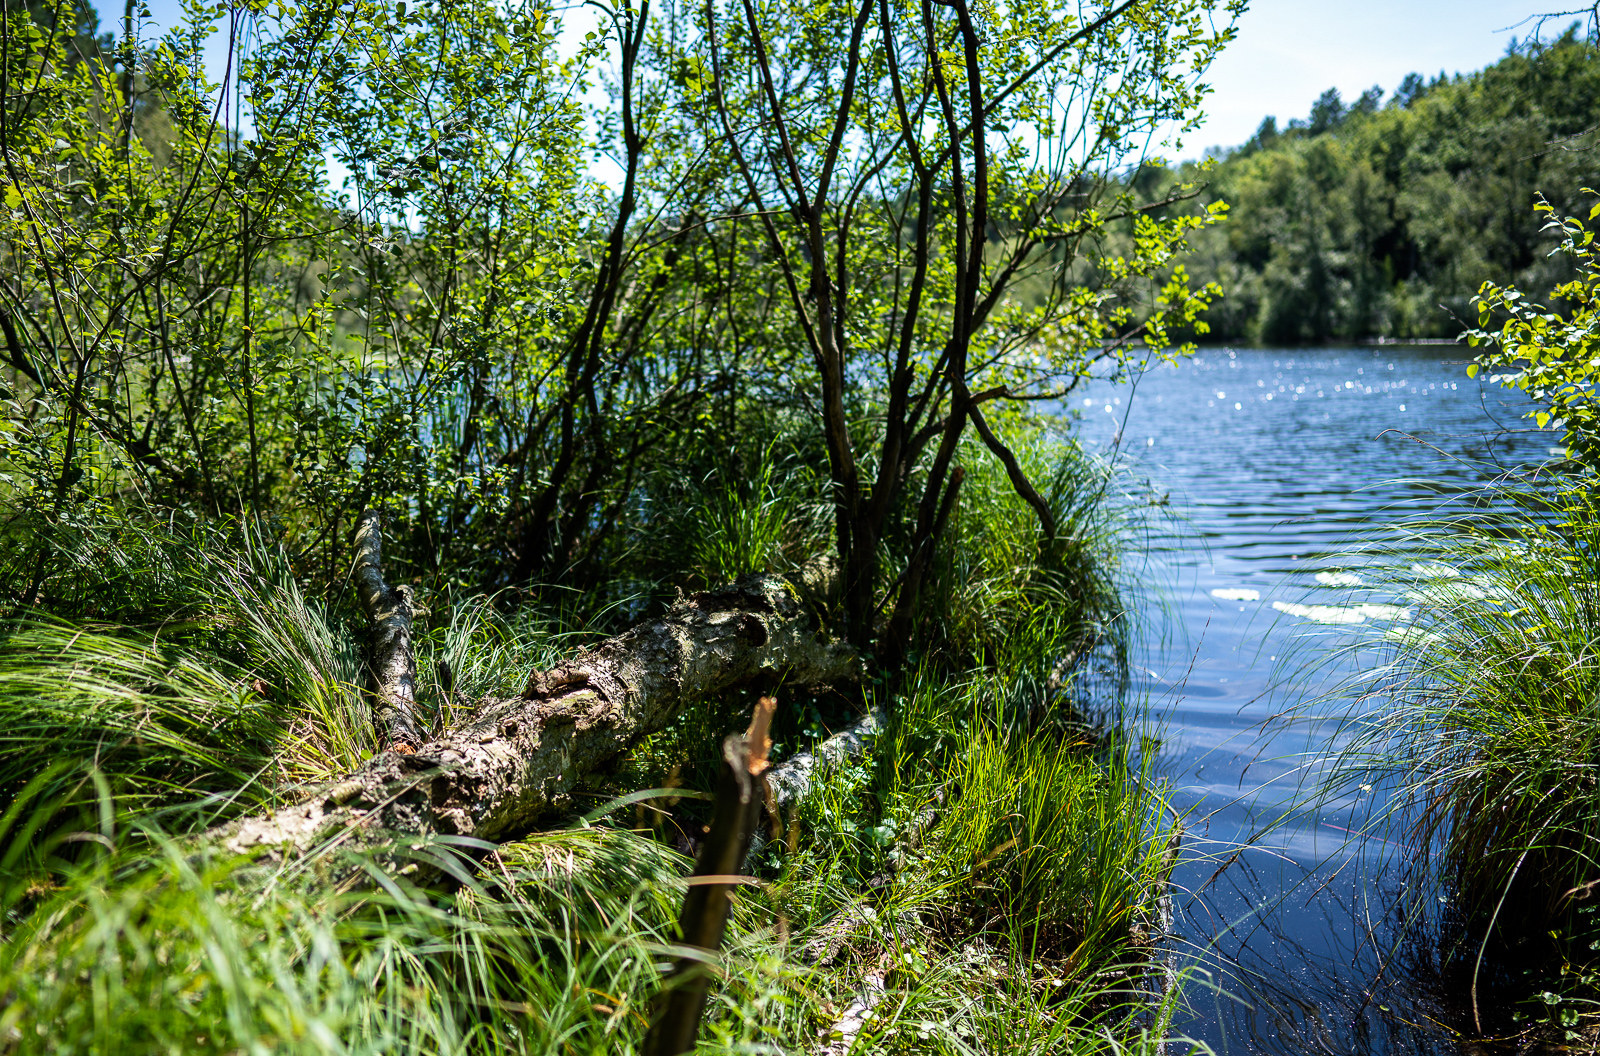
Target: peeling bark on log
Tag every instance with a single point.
(391, 661)
(517, 759)
(791, 779)
(840, 1038)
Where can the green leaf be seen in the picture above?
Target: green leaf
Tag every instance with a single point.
(1472, 370)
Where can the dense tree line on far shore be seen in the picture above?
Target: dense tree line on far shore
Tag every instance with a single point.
(1381, 217)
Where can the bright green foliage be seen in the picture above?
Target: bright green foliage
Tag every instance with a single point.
(784, 303)
(932, 213)
(515, 344)
(199, 317)
(1551, 353)
(119, 224)
(1380, 218)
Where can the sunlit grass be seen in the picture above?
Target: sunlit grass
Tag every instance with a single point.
(171, 951)
(987, 873)
(1487, 719)
(997, 573)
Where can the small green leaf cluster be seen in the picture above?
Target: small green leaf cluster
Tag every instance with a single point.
(1551, 352)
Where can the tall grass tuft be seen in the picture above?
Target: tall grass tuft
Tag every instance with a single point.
(1003, 876)
(748, 525)
(179, 661)
(737, 511)
(300, 652)
(155, 721)
(1490, 716)
(1055, 843)
(550, 950)
(997, 573)
(487, 651)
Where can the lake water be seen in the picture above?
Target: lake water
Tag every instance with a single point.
(1276, 464)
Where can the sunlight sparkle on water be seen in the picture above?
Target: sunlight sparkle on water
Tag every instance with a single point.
(1341, 614)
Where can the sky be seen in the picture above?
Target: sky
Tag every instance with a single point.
(1288, 52)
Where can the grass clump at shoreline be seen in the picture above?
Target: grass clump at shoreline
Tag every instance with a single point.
(1489, 731)
(1490, 728)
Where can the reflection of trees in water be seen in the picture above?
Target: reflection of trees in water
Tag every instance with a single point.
(1347, 960)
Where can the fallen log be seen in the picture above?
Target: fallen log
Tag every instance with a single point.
(840, 1038)
(794, 777)
(518, 758)
(791, 780)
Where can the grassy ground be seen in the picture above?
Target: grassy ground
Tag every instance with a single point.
(985, 878)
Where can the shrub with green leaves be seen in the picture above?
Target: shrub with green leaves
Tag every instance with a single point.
(1551, 351)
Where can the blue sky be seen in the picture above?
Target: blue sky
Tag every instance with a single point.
(1290, 51)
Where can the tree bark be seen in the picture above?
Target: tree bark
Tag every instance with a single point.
(790, 781)
(391, 662)
(518, 758)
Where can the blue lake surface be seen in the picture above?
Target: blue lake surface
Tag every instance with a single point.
(1277, 466)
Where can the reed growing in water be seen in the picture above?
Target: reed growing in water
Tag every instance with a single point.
(1485, 726)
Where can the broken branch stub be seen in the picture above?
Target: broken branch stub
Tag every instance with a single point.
(704, 920)
(391, 661)
(518, 758)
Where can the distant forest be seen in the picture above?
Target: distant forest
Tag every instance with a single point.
(1381, 218)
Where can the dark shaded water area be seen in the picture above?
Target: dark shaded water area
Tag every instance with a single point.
(1277, 467)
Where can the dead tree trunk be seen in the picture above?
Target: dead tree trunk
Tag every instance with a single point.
(391, 661)
(518, 758)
